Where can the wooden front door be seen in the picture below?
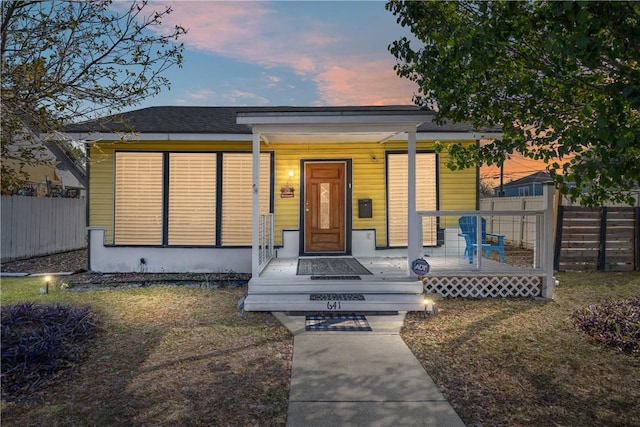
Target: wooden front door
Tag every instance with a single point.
(324, 207)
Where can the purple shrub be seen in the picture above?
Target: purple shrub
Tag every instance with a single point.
(39, 342)
(612, 323)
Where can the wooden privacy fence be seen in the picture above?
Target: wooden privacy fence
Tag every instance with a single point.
(33, 226)
(603, 239)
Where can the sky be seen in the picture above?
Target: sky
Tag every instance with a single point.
(293, 53)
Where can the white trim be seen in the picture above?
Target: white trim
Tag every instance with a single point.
(329, 118)
(246, 137)
(125, 137)
(414, 221)
(390, 137)
(486, 135)
(452, 136)
(255, 246)
(310, 129)
(547, 240)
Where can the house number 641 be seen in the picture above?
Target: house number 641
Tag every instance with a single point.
(333, 305)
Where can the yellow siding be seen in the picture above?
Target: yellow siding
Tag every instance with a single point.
(457, 189)
(101, 187)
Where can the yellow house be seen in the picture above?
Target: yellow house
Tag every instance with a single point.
(212, 189)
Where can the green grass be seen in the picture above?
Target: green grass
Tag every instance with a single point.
(521, 362)
(165, 356)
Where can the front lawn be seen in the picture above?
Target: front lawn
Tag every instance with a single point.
(183, 356)
(163, 356)
(520, 362)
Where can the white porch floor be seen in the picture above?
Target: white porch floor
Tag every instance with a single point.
(388, 288)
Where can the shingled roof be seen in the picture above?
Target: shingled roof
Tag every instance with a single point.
(540, 176)
(222, 120)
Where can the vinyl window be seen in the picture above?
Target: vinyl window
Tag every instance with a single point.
(138, 199)
(237, 195)
(192, 199)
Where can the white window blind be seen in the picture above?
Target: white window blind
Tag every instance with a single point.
(138, 199)
(237, 195)
(397, 181)
(192, 199)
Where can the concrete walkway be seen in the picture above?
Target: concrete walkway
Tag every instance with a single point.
(361, 379)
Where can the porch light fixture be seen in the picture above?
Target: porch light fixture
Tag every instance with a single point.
(291, 173)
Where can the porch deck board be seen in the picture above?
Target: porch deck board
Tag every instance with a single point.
(394, 269)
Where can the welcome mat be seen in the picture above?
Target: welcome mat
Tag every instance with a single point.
(336, 322)
(330, 267)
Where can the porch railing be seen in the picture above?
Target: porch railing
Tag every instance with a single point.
(539, 259)
(265, 246)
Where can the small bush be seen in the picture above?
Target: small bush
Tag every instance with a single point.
(41, 342)
(612, 323)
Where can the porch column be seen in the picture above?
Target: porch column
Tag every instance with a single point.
(547, 240)
(255, 216)
(414, 238)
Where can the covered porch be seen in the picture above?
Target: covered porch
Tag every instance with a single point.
(393, 285)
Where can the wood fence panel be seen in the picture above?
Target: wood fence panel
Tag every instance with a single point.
(33, 226)
(603, 239)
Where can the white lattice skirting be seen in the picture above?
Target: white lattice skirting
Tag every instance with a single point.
(484, 286)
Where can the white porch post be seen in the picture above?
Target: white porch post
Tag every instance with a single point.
(547, 240)
(414, 238)
(255, 247)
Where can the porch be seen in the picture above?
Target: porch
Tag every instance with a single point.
(393, 285)
(388, 288)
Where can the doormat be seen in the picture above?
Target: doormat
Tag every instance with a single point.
(336, 278)
(336, 322)
(330, 267)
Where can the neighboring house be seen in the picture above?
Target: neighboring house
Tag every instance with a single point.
(71, 171)
(530, 185)
(55, 174)
(213, 189)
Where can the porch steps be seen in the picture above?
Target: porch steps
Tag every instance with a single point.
(333, 302)
(365, 285)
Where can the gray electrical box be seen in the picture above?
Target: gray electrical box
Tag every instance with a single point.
(365, 208)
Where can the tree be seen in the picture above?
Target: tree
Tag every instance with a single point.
(66, 61)
(561, 78)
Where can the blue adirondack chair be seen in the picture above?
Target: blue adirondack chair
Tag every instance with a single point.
(468, 231)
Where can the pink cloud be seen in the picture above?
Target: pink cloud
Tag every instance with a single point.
(364, 82)
(253, 32)
(247, 31)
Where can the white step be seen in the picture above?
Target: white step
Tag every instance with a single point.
(303, 302)
(333, 286)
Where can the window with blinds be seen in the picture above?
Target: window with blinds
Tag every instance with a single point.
(237, 195)
(397, 196)
(138, 199)
(192, 199)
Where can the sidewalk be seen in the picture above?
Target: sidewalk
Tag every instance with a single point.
(361, 379)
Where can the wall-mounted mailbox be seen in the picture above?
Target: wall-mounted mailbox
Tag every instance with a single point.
(365, 208)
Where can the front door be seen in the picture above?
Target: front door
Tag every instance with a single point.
(324, 207)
